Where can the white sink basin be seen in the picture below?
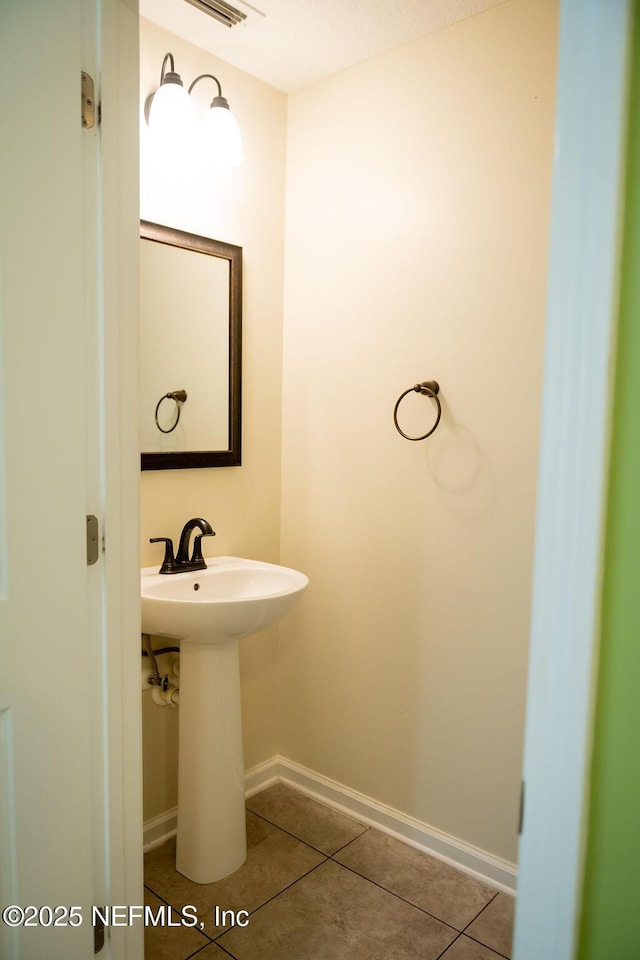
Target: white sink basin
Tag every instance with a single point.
(209, 611)
(231, 599)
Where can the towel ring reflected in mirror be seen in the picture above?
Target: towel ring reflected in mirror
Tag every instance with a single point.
(179, 396)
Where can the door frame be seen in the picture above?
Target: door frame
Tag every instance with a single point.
(119, 96)
(573, 466)
(581, 312)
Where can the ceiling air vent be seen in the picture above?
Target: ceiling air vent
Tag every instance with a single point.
(220, 11)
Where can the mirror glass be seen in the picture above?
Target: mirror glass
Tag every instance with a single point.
(190, 349)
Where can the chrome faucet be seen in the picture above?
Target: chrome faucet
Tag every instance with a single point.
(182, 562)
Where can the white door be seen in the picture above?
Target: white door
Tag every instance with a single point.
(55, 847)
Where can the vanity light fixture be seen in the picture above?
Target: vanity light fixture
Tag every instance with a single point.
(171, 113)
(219, 129)
(170, 110)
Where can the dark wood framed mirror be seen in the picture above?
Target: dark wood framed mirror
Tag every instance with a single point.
(191, 347)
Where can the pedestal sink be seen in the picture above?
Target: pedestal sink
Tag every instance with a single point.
(209, 611)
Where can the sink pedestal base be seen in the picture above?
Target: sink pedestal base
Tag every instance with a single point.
(212, 841)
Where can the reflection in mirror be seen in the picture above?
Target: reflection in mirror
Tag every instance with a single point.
(190, 349)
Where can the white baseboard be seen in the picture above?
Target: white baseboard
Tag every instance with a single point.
(261, 776)
(159, 829)
(477, 863)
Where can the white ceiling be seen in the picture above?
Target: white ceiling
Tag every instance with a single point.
(290, 43)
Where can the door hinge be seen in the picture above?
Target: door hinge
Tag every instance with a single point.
(92, 539)
(88, 103)
(521, 820)
(98, 934)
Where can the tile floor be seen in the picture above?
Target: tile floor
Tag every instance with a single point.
(317, 885)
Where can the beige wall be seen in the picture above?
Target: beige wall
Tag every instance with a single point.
(418, 189)
(246, 207)
(418, 193)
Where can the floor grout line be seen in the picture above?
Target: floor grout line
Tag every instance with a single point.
(487, 947)
(397, 896)
(349, 842)
(446, 949)
(481, 911)
(197, 929)
(475, 939)
(331, 856)
(220, 947)
(293, 836)
(206, 947)
(177, 911)
(217, 939)
(275, 896)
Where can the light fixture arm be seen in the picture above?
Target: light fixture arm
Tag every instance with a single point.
(203, 76)
(169, 57)
(169, 76)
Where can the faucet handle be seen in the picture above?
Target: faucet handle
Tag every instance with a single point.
(196, 556)
(168, 564)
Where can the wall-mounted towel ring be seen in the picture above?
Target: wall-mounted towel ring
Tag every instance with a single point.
(179, 396)
(430, 388)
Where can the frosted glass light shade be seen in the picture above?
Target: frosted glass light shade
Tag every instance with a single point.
(220, 136)
(171, 113)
